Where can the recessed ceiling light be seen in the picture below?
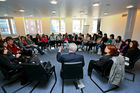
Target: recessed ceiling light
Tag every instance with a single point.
(129, 6)
(2, 0)
(31, 15)
(53, 2)
(5, 15)
(81, 12)
(105, 13)
(21, 10)
(54, 12)
(96, 4)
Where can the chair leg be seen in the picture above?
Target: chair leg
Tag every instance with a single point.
(62, 85)
(35, 87)
(116, 87)
(133, 74)
(55, 81)
(10, 82)
(82, 90)
(22, 87)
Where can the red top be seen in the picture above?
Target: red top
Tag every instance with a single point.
(13, 49)
(66, 38)
(44, 39)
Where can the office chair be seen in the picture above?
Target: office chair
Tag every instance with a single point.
(130, 69)
(71, 70)
(36, 72)
(12, 77)
(105, 74)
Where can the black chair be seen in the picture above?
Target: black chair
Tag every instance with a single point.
(71, 71)
(36, 72)
(130, 69)
(105, 74)
(11, 77)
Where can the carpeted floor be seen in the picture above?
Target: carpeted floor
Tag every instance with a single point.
(125, 87)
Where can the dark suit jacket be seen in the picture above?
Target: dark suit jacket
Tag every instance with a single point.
(70, 57)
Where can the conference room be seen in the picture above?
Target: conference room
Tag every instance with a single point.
(69, 46)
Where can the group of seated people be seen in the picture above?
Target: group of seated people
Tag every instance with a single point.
(12, 54)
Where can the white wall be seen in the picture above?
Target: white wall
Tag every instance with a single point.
(114, 24)
(136, 32)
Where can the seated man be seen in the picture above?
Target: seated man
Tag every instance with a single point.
(71, 56)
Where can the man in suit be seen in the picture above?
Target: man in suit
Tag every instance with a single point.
(71, 56)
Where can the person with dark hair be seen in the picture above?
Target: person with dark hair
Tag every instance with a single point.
(93, 42)
(124, 47)
(11, 46)
(37, 40)
(13, 57)
(31, 44)
(111, 41)
(5, 62)
(14, 50)
(132, 53)
(59, 39)
(118, 42)
(44, 41)
(101, 64)
(100, 34)
(101, 42)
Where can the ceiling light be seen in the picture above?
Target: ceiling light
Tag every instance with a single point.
(105, 13)
(81, 12)
(129, 6)
(31, 15)
(5, 15)
(96, 4)
(2, 0)
(21, 10)
(54, 2)
(54, 12)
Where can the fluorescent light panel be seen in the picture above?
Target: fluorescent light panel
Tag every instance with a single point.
(96, 4)
(53, 2)
(2, 0)
(54, 12)
(105, 13)
(129, 6)
(21, 10)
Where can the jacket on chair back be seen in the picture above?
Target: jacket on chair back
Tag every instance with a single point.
(117, 71)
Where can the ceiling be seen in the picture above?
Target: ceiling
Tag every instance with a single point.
(65, 8)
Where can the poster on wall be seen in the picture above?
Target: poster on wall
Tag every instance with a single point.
(85, 29)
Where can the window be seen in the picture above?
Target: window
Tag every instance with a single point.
(63, 29)
(58, 26)
(77, 26)
(94, 27)
(7, 26)
(55, 26)
(33, 26)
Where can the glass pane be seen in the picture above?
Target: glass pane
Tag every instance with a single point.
(30, 26)
(76, 26)
(55, 26)
(13, 26)
(82, 25)
(39, 27)
(4, 27)
(94, 29)
(63, 27)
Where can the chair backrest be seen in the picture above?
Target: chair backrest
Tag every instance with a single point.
(7, 74)
(35, 72)
(72, 70)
